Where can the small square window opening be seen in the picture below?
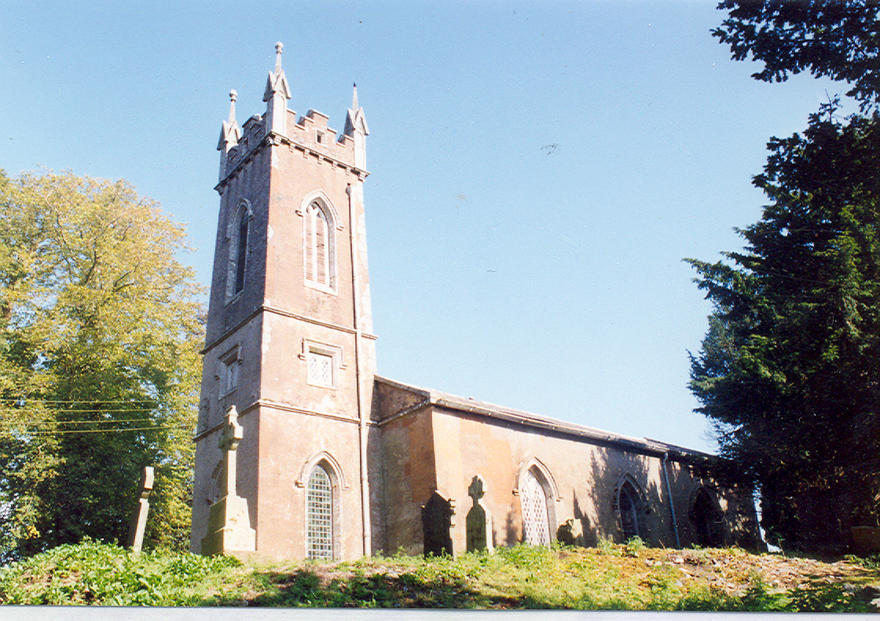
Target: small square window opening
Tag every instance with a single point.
(229, 373)
(320, 368)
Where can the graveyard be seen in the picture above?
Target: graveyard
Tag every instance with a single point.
(611, 576)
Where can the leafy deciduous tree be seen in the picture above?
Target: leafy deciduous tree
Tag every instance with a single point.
(99, 365)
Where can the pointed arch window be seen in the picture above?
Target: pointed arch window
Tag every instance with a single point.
(319, 515)
(536, 521)
(628, 504)
(319, 246)
(708, 519)
(237, 235)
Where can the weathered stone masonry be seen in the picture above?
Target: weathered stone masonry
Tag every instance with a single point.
(336, 461)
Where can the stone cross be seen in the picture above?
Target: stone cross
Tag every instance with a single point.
(229, 439)
(478, 522)
(139, 518)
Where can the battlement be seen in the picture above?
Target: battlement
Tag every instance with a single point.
(309, 134)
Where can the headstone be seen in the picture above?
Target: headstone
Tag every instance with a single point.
(436, 522)
(570, 532)
(139, 518)
(478, 521)
(229, 530)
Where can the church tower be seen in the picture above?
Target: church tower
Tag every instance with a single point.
(289, 353)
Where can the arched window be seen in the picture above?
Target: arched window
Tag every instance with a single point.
(319, 515)
(707, 519)
(628, 506)
(237, 234)
(241, 252)
(319, 244)
(536, 522)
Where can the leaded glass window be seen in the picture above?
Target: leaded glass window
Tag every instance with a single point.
(536, 527)
(320, 368)
(319, 515)
(628, 504)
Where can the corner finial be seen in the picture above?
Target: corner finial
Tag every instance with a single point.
(279, 47)
(233, 96)
(354, 96)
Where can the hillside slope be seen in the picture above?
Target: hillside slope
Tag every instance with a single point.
(628, 577)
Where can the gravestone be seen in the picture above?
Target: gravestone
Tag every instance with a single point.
(478, 521)
(570, 532)
(229, 530)
(139, 518)
(436, 522)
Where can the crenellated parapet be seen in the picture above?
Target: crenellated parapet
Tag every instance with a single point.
(279, 125)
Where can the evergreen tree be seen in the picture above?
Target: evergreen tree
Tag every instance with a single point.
(788, 371)
(99, 364)
(790, 368)
(838, 39)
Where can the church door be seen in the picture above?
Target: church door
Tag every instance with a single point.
(536, 527)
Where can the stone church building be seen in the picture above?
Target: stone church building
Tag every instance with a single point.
(303, 451)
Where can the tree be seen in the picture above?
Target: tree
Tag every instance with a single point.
(839, 39)
(99, 364)
(789, 370)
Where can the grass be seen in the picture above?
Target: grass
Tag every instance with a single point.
(616, 577)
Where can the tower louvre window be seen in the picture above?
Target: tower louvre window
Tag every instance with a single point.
(241, 252)
(319, 243)
(319, 515)
(237, 236)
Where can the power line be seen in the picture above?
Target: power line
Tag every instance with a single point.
(35, 400)
(6, 408)
(120, 430)
(10, 423)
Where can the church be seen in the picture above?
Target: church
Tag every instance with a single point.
(304, 452)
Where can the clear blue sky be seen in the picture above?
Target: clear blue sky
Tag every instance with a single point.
(539, 169)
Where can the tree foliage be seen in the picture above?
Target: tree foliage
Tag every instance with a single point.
(99, 365)
(789, 370)
(839, 39)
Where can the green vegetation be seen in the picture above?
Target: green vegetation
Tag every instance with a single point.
(789, 370)
(99, 363)
(630, 577)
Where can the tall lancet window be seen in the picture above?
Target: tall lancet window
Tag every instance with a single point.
(628, 506)
(319, 515)
(536, 522)
(319, 244)
(238, 250)
(241, 251)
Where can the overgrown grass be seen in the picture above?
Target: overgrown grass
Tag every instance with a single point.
(611, 576)
(98, 573)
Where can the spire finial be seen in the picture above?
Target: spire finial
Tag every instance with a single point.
(233, 96)
(279, 47)
(354, 96)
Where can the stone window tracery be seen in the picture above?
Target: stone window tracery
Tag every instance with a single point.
(319, 245)
(237, 237)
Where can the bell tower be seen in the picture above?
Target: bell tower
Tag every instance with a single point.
(289, 334)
